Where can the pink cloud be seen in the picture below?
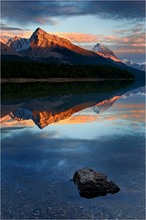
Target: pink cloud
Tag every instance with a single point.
(24, 34)
(131, 50)
(79, 37)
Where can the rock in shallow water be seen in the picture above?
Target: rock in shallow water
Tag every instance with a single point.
(92, 184)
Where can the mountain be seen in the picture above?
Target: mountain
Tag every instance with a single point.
(105, 52)
(139, 66)
(4, 39)
(141, 90)
(43, 46)
(104, 105)
(6, 50)
(41, 43)
(18, 43)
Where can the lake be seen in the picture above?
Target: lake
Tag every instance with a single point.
(47, 133)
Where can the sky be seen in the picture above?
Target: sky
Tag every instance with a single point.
(119, 25)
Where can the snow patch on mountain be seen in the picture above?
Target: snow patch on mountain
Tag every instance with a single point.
(18, 43)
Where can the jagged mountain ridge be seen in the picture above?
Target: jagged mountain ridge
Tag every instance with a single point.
(41, 43)
(42, 46)
(6, 50)
(45, 47)
(101, 50)
(139, 66)
(18, 43)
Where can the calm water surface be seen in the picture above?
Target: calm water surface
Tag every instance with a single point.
(37, 164)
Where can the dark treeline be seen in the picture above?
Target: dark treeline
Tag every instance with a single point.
(11, 91)
(20, 69)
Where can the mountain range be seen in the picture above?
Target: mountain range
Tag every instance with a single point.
(42, 46)
(103, 51)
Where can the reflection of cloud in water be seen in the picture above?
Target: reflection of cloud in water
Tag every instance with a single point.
(139, 91)
(121, 153)
(48, 135)
(61, 163)
(12, 123)
(8, 129)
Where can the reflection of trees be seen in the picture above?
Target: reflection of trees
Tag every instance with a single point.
(34, 90)
(15, 69)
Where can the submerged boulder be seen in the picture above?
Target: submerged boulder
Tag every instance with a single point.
(92, 184)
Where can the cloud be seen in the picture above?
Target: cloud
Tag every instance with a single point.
(37, 12)
(45, 12)
(29, 12)
(129, 51)
(117, 9)
(132, 43)
(79, 37)
(79, 119)
(13, 33)
(12, 28)
(8, 122)
(138, 28)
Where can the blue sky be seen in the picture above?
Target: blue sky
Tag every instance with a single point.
(117, 24)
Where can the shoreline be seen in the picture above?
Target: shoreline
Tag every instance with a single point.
(55, 80)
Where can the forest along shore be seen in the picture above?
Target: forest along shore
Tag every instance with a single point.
(25, 80)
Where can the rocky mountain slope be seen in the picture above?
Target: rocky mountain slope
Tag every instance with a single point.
(6, 50)
(105, 52)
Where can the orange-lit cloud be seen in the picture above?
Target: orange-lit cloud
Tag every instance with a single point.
(79, 37)
(12, 123)
(23, 34)
(130, 106)
(79, 119)
(124, 50)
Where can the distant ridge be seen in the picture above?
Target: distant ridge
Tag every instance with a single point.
(139, 66)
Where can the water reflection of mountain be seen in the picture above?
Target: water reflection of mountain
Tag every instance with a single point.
(51, 109)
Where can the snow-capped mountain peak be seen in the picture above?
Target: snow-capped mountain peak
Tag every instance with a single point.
(101, 50)
(44, 39)
(45, 45)
(18, 43)
(140, 66)
(104, 105)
